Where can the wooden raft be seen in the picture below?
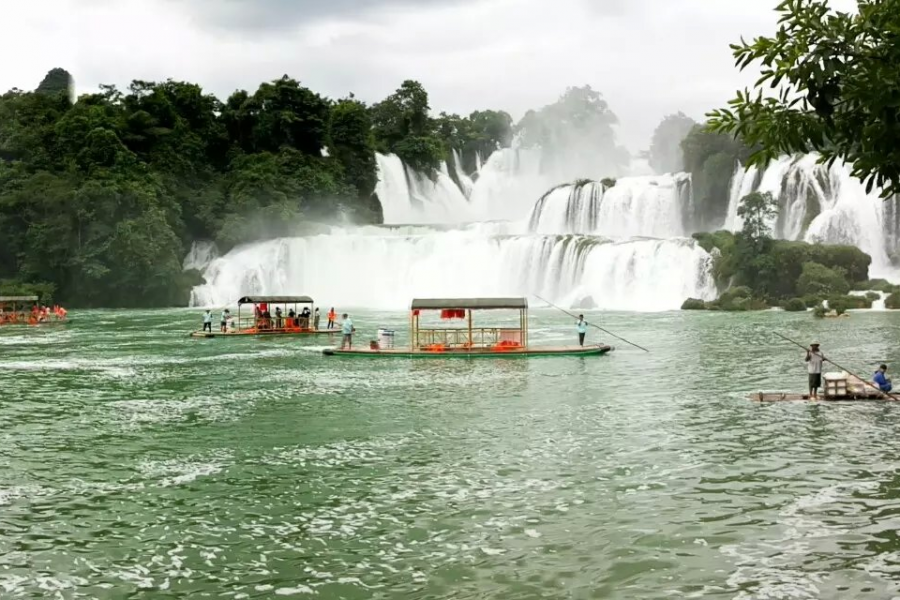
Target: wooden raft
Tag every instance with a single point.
(531, 351)
(867, 396)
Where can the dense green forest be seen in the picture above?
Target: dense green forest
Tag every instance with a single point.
(100, 198)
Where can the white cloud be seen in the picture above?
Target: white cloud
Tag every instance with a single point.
(648, 57)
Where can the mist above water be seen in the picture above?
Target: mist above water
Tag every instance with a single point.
(510, 228)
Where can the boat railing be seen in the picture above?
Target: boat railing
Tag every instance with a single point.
(273, 324)
(482, 337)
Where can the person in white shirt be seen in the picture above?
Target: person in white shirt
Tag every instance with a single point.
(814, 360)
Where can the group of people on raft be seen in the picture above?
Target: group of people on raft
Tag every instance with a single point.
(264, 320)
(38, 314)
(814, 361)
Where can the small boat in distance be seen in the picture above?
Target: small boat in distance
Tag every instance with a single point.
(285, 319)
(468, 341)
(26, 310)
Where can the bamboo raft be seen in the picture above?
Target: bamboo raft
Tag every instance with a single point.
(488, 352)
(866, 396)
(264, 332)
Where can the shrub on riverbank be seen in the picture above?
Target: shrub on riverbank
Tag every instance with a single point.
(892, 301)
(776, 271)
(44, 291)
(847, 302)
(795, 305)
(693, 304)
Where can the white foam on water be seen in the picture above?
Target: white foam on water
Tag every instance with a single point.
(175, 472)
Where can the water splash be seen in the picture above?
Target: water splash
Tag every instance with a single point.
(386, 267)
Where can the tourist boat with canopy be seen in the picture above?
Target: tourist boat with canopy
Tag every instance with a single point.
(27, 310)
(268, 315)
(469, 340)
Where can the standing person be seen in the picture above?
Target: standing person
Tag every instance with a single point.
(331, 318)
(814, 360)
(207, 321)
(316, 317)
(882, 380)
(223, 321)
(279, 324)
(582, 326)
(347, 329)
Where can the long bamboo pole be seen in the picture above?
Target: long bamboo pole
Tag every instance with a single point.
(594, 326)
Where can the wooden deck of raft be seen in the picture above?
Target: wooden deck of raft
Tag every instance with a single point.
(868, 396)
(276, 332)
(532, 351)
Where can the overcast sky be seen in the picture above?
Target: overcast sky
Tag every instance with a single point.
(648, 57)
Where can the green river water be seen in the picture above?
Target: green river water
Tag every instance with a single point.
(138, 463)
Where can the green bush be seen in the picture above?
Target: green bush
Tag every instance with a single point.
(737, 299)
(892, 301)
(693, 304)
(873, 296)
(44, 291)
(795, 305)
(874, 284)
(849, 301)
(819, 279)
(723, 240)
(842, 304)
(819, 312)
(812, 301)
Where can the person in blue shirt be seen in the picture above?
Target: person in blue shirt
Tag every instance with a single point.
(347, 329)
(582, 326)
(882, 380)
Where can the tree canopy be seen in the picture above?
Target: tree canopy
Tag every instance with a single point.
(829, 83)
(101, 198)
(666, 155)
(577, 134)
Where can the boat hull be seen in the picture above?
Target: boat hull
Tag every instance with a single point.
(533, 352)
(214, 334)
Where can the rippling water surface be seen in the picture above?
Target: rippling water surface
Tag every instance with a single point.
(138, 463)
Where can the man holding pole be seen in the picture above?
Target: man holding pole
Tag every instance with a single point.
(814, 360)
(582, 326)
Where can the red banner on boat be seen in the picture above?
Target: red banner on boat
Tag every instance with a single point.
(453, 313)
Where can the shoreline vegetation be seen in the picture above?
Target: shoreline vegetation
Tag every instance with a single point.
(101, 199)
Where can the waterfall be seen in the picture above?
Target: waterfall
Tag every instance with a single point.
(653, 206)
(822, 204)
(508, 184)
(202, 253)
(620, 246)
(410, 197)
(465, 182)
(386, 267)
